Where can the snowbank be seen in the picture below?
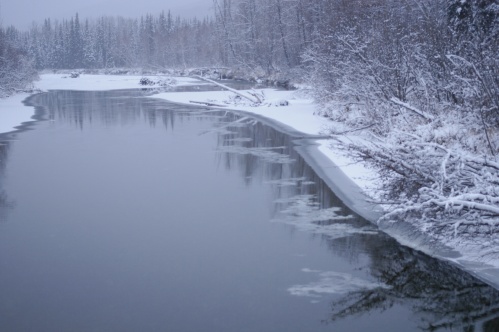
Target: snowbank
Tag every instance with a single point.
(99, 82)
(13, 113)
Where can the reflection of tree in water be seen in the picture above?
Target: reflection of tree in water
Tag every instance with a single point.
(245, 146)
(5, 206)
(444, 296)
(110, 108)
(4, 150)
(5, 203)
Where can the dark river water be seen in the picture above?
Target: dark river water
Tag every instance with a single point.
(124, 213)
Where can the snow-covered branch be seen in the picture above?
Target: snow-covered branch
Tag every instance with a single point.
(458, 204)
(398, 102)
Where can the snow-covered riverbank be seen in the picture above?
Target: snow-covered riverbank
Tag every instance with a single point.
(294, 112)
(13, 113)
(102, 82)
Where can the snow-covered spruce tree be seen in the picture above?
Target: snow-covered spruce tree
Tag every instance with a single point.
(424, 89)
(17, 70)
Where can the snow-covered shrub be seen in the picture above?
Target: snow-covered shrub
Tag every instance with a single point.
(281, 102)
(164, 82)
(146, 81)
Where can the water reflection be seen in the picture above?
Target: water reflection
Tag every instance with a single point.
(444, 297)
(383, 274)
(301, 198)
(115, 108)
(5, 203)
(5, 206)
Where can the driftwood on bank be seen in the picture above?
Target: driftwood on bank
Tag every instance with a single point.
(206, 103)
(253, 97)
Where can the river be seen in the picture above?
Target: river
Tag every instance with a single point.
(125, 213)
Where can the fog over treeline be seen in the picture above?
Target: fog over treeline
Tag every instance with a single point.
(161, 41)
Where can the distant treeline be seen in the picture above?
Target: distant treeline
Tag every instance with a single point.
(107, 42)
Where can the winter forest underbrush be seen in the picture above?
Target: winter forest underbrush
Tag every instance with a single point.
(17, 70)
(418, 82)
(410, 87)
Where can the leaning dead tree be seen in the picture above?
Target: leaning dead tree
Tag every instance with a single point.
(252, 97)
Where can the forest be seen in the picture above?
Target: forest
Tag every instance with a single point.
(418, 80)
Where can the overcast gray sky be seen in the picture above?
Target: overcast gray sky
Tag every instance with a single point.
(21, 13)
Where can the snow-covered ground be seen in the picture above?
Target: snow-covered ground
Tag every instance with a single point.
(99, 82)
(13, 113)
(298, 116)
